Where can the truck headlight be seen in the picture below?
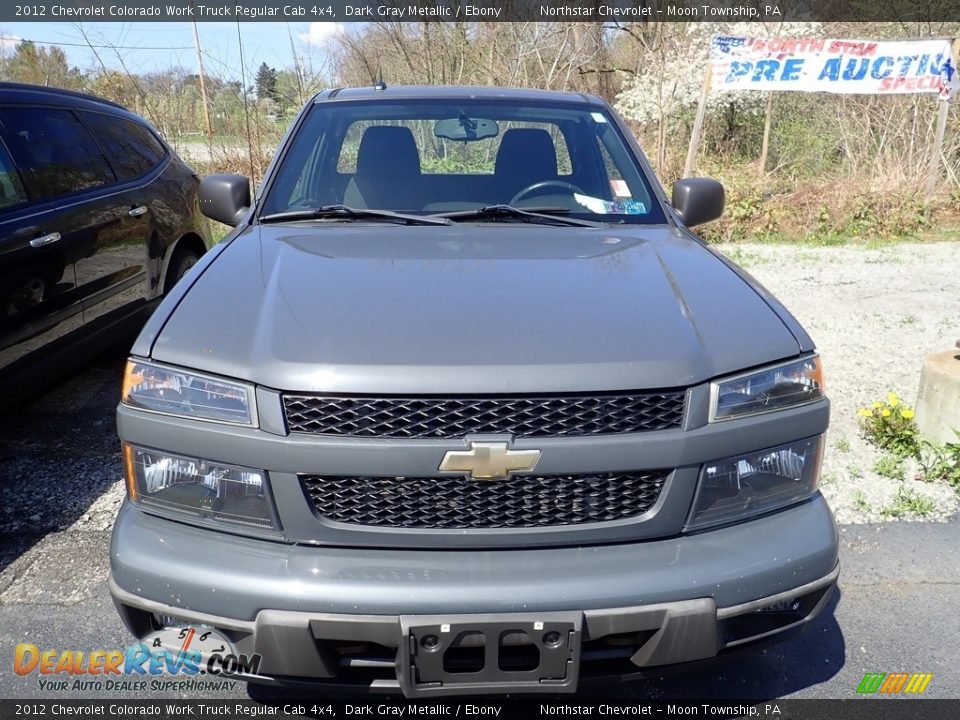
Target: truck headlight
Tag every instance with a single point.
(167, 390)
(741, 487)
(773, 388)
(207, 492)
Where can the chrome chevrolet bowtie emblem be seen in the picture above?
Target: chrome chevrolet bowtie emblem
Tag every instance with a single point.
(489, 460)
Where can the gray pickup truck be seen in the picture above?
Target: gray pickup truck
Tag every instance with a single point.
(463, 406)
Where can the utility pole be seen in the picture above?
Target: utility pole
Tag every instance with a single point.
(203, 90)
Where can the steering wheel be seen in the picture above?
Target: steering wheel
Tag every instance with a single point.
(543, 184)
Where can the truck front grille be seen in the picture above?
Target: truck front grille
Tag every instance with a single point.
(423, 417)
(520, 501)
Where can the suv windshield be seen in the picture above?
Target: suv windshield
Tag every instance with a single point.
(430, 157)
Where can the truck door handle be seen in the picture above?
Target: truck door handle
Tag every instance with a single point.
(45, 239)
(137, 211)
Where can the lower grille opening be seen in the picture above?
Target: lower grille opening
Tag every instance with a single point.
(452, 502)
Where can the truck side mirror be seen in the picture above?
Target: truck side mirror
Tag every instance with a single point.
(698, 200)
(225, 197)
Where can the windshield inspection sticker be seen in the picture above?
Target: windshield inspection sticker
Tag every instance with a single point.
(605, 207)
(598, 117)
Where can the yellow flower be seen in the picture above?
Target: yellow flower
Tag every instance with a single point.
(907, 414)
(865, 412)
(885, 412)
(893, 399)
(878, 404)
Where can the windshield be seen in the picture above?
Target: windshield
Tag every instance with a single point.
(443, 156)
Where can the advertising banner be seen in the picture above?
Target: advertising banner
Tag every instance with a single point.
(830, 65)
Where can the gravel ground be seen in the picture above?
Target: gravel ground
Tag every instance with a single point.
(875, 314)
(60, 457)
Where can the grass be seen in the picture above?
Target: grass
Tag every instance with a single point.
(842, 444)
(744, 258)
(860, 502)
(909, 502)
(889, 466)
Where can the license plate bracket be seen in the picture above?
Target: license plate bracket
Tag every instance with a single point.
(470, 654)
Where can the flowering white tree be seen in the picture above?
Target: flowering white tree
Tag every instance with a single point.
(673, 68)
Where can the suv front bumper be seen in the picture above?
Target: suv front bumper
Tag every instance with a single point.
(336, 614)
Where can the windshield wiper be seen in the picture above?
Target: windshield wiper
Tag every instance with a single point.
(343, 212)
(496, 212)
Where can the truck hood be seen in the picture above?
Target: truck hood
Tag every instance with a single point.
(485, 308)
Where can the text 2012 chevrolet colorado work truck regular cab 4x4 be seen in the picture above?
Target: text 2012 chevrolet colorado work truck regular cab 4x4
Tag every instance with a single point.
(462, 406)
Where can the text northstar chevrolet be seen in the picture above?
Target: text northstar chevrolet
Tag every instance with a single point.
(462, 406)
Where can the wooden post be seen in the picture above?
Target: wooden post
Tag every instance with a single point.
(933, 170)
(767, 122)
(203, 90)
(698, 123)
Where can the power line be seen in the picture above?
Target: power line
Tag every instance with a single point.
(88, 45)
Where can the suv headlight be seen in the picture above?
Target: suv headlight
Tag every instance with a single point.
(170, 391)
(209, 493)
(740, 487)
(773, 388)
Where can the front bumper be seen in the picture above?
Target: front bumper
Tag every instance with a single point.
(336, 614)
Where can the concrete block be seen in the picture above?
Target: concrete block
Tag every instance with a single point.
(938, 402)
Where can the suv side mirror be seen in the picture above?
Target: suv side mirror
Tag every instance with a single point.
(225, 197)
(698, 200)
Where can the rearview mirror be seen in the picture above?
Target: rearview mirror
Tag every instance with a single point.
(225, 197)
(698, 200)
(465, 128)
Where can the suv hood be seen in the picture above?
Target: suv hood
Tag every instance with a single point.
(485, 308)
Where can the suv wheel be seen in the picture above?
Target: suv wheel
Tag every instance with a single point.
(181, 262)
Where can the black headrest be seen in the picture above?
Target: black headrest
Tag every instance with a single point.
(527, 152)
(388, 150)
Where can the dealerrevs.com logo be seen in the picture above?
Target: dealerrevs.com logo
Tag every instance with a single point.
(168, 659)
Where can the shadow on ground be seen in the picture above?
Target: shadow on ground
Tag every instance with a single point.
(59, 454)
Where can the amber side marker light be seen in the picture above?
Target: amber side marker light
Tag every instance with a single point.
(128, 471)
(131, 379)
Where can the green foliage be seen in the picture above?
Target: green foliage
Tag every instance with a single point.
(889, 466)
(941, 463)
(874, 216)
(37, 65)
(266, 82)
(909, 502)
(889, 425)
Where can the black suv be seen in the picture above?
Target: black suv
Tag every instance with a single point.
(98, 217)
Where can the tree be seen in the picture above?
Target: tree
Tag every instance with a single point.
(266, 82)
(40, 66)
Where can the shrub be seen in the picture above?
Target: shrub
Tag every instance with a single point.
(941, 463)
(889, 425)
